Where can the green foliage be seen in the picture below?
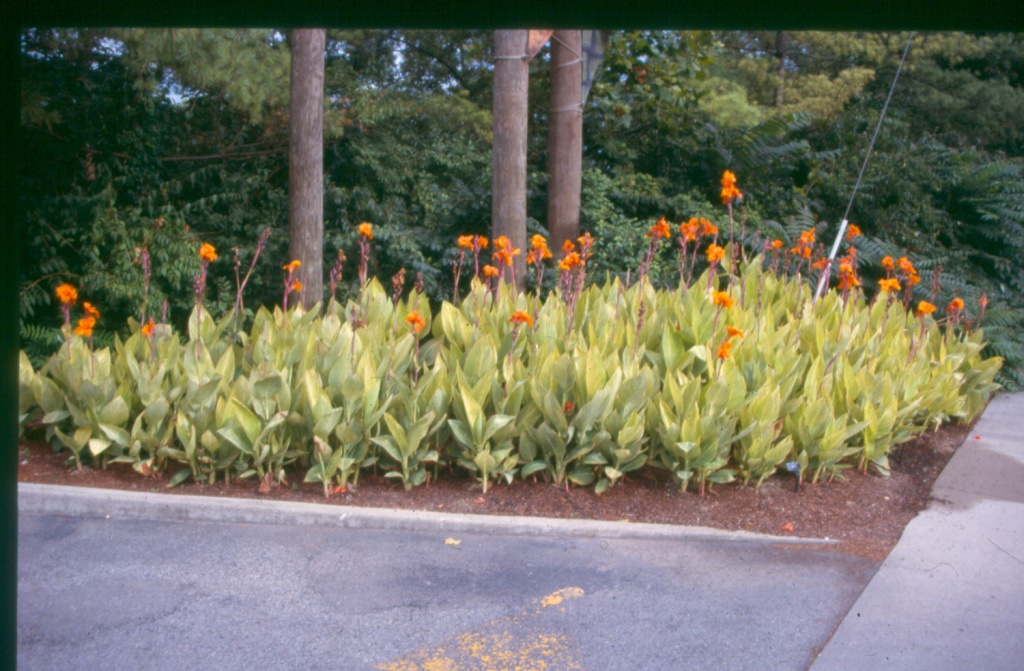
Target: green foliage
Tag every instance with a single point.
(726, 376)
(163, 139)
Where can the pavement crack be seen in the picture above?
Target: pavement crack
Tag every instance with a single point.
(929, 570)
(1016, 559)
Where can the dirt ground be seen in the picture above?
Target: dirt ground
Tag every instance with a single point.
(864, 512)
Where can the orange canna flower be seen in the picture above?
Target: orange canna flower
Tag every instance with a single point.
(723, 299)
(416, 320)
(715, 253)
(521, 317)
(539, 248)
(848, 281)
(296, 286)
(906, 266)
(660, 230)
(707, 228)
(729, 190)
(366, 230)
(568, 246)
(807, 237)
(147, 330)
(585, 241)
(723, 351)
(466, 241)
(293, 266)
(85, 325)
(734, 332)
(689, 229)
(889, 284)
(955, 305)
(777, 244)
(490, 271)
(913, 280)
(925, 308)
(67, 294)
(207, 252)
(480, 241)
(887, 264)
(852, 232)
(821, 264)
(571, 260)
(90, 311)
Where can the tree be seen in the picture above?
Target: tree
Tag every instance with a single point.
(511, 78)
(565, 138)
(306, 159)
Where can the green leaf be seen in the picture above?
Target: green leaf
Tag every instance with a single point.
(722, 476)
(581, 476)
(116, 434)
(462, 433)
(115, 412)
(98, 445)
(179, 477)
(533, 467)
(400, 439)
(474, 416)
(390, 446)
(494, 424)
(484, 461)
(236, 438)
(156, 411)
(55, 416)
(245, 417)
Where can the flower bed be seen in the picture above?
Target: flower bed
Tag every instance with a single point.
(729, 375)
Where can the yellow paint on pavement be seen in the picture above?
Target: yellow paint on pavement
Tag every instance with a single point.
(517, 643)
(556, 598)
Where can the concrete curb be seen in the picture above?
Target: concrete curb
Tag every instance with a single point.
(92, 502)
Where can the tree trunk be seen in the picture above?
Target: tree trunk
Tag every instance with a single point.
(306, 160)
(508, 209)
(565, 138)
(780, 53)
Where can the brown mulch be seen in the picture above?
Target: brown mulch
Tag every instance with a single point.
(864, 512)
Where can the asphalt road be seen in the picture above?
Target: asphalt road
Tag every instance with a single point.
(163, 594)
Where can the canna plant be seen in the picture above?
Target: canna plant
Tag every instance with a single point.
(475, 425)
(420, 412)
(97, 406)
(199, 414)
(26, 399)
(149, 360)
(696, 427)
(759, 448)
